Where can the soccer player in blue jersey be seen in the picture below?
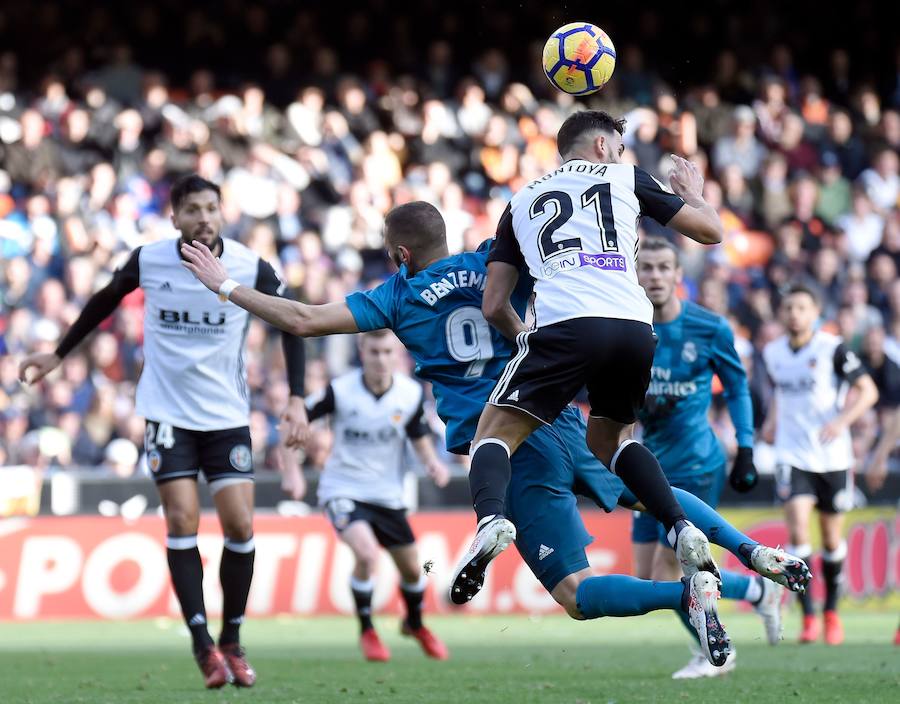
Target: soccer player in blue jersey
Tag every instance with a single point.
(433, 304)
(693, 345)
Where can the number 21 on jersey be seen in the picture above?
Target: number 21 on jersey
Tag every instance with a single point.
(596, 197)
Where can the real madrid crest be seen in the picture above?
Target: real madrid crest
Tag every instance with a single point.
(689, 352)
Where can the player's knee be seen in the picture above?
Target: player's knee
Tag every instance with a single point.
(566, 595)
(238, 528)
(366, 562)
(182, 520)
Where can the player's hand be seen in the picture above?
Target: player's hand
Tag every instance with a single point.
(686, 179)
(294, 425)
(439, 473)
(43, 363)
(831, 430)
(877, 472)
(204, 265)
(743, 475)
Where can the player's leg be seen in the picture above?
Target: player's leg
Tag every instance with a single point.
(617, 382)
(227, 462)
(639, 470)
(594, 481)
(234, 505)
(536, 385)
(181, 509)
(174, 460)
(358, 535)
(798, 511)
(835, 497)
(412, 588)
(551, 538)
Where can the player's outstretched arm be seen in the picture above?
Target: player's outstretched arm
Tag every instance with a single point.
(98, 308)
(495, 304)
(291, 316)
(697, 219)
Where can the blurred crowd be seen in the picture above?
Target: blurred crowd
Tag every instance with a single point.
(801, 164)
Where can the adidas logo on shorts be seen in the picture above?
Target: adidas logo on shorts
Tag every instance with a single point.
(514, 396)
(543, 551)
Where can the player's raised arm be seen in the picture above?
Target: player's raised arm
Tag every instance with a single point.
(291, 316)
(696, 219)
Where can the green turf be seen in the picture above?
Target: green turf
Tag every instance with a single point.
(493, 659)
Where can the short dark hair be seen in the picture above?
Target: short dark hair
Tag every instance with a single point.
(374, 334)
(803, 287)
(579, 123)
(417, 225)
(192, 183)
(657, 244)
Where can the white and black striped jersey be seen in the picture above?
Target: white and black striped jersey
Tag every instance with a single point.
(810, 389)
(194, 375)
(370, 433)
(575, 229)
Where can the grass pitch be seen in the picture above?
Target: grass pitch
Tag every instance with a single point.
(493, 659)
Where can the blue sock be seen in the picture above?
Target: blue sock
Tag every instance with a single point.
(734, 584)
(620, 595)
(716, 528)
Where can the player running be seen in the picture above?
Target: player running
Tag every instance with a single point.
(694, 344)
(433, 304)
(810, 418)
(373, 411)
(193, 394)
(575, 231)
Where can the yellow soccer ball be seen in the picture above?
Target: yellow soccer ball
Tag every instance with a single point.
(579, 58)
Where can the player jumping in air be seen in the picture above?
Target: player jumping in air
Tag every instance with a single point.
(433, 304)
(373, 411)
(810, 418)
(694, 344)
(575, 232)
(193, 394)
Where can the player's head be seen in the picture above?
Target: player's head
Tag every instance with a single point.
(378, 353)
(197, 209)
(593, 135)
(415, 235)
(800, 309)
(659, 269)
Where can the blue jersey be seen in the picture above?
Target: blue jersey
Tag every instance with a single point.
(437, 315)
(691, 349)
